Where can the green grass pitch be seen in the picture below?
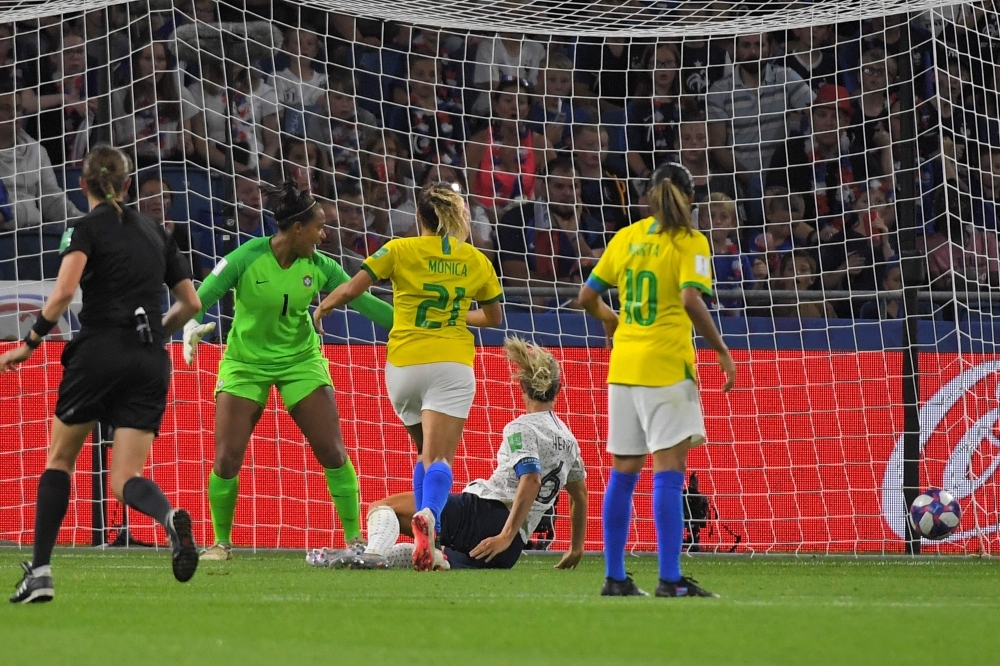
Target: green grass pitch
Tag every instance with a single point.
(125, 608)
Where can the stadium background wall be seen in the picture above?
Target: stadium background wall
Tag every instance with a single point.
(798, 456)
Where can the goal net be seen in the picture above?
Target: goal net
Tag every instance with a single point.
(846, 157)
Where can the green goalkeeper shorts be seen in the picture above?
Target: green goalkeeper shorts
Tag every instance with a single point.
(254, 382)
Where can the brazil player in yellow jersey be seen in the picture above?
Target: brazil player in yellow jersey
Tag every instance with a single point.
(661, 267)
(273, 343)
(428, 372)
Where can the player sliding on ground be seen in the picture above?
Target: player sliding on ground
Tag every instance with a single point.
(487, 525)
(428, 371)
(273, 343)
(661, 267)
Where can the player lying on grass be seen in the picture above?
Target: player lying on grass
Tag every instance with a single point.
(273, 343)
(487, 525)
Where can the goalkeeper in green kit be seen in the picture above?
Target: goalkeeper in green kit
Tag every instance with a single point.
(273, 343)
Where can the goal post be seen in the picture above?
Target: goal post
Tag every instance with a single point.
(847, 162)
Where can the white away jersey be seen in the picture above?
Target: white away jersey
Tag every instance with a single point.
(541, 437)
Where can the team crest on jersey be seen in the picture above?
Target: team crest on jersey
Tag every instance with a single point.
(307, 281)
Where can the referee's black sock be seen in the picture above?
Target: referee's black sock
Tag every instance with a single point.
(50, 509)
(145, 496)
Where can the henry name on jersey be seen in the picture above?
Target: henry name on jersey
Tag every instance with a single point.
(538, 442)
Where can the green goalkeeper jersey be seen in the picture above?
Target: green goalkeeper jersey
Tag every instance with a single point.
(271, 322)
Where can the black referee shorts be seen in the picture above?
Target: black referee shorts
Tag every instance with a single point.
(109, 376)
(466, 520)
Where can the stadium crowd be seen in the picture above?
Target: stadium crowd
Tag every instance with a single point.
(795, 140)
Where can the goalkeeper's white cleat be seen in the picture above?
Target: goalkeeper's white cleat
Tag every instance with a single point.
(193, 333)
(217, 552)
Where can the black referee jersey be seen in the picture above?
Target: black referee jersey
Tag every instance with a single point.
(110, 374)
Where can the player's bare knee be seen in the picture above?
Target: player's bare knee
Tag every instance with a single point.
(629, 464)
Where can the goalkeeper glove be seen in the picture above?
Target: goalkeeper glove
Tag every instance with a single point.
(193, 333)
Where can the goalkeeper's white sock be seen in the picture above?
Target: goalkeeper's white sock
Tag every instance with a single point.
(383, 530)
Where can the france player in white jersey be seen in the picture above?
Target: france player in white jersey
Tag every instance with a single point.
(488, 524)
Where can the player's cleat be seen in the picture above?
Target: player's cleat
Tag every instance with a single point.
(220, 552)
(423, 540)
(621, 588)
(350, 559)
(685, 587)
(185, 551)
(317, 557)
(33, 589)
(441, 561)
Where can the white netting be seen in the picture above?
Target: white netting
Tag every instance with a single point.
(829, 160)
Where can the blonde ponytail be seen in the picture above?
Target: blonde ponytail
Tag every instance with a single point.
(442, 209)
(539, 373)
(671, 207)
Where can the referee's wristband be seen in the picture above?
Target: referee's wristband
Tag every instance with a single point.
(42, 326)
(32, 344)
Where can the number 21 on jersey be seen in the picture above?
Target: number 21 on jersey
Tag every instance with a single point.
(439, 303)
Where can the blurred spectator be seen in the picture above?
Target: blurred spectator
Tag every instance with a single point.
(403, 220)
(386, 182)
(449, 51)
(29, 193)
(353, 225)
(607, 190)
(731, 267)
(798, 273)
(607, 68)
(431, 119)
(877, 112)
(555, 240)
(506, 157)
(152, 113)
(691, 143)
(300, 85)
(779, 234)
(236, 224)
(887, 308)
(747, 111)
(810, 54)
(654, 113)
(960, 256)
(155, 201)
(17, 72)
(305, 163)
(851, 257)
(71, 103)
(985, 188)
(508, 55)
(944, 115)
(557, 114)
(338, 239)
(703, 62)
(822, 166)
(344, 126)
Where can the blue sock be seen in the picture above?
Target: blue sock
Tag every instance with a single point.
(437, 487)
(418, 484)
(668, 512)
(616, 521)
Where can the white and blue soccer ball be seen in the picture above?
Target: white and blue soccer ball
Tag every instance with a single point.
(935, 514)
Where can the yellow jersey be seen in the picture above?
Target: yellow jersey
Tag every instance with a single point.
(434, 281)
(653, 344)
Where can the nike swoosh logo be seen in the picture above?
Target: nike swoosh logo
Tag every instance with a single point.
(262, 281)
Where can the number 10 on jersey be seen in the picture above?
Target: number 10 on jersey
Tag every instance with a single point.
(440, 303)
(640, 290)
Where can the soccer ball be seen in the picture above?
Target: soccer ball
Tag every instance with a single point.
(935, 514)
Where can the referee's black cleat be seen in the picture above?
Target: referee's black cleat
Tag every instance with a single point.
(185, 551)
(685, 587)
(33, 589)
(621, 588)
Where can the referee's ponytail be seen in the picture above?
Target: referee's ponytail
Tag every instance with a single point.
(106, 172)
(539, 373)
(289, 204)
(671, 191)
(442, 210)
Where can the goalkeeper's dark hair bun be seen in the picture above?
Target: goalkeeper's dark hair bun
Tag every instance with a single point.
(289, 204)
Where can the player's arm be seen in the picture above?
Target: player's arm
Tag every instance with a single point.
(577, 491)
(490, 312)
(529, 471)
(344, 294)
(487, 316)
(223, 277)
(695, 279)
(70, 272)
(178, 278)
(591, 296)
(371, 307)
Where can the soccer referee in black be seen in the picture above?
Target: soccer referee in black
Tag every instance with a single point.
(116, 370)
